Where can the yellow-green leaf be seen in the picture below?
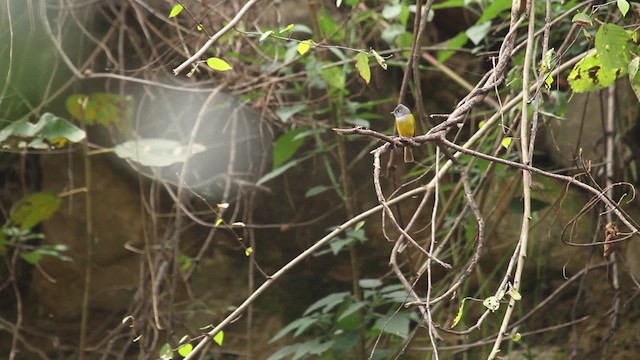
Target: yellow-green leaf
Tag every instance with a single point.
(199, 27)
(304, 46)
(185, 350)
(219, 337)
(506, 142)
(286, 28)
(248, 251)
(362, 65)
(176, 10)
(582, 19)
(265, 35)
(33, 209)
(623, 6)
(218, 64)
(459, 315)
(515, 295)
(218, 222)
(516, 337)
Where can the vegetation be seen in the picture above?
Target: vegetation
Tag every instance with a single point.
(200, 180)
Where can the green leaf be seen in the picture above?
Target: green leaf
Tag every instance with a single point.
(102, 109)
(334, 77)
(369, 283)
(219, 337)
(294, 325)
(623, 6)
(456, 42)
(395, 324)
(458, 317)
(316, 190)
(390, 33)
(391, 11)
(506, 142)
(165, 352)
(50, 130)
(478, 32)
(218, 64)
(515, 295)
(362, 65)
(352, 309)
(277, 172)
(327, 303)
(185, 350)
(634, 76)
(33, 209)
(248, 251)
(157, 152)
(285, 147)
(329, 28)
(612, 43)
(582, 19)
(516, 337)
(176, 10)
(285, 112)
(304, 46)
(590, 74)
(286, 28)
(494, 9)
(448, 4)
(265, 35)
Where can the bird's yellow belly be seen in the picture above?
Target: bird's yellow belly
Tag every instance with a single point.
(405, 128)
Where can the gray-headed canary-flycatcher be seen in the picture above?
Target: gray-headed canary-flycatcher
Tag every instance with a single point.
(406, 126)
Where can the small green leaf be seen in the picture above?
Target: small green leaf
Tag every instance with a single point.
(285, 147)
(276, 172)
(494, 9)
(623, 6)
(456, 42)
(316, 190)
(34, 209)
(359, 225)
(478, 32)
(285, 112)
(362, 65)
(185, 350)
(248, 251)
(506, 142)
(492, 303)
(265, 35)
(304, 46)
(218, 64)
(218, 222)
(165, 352)
(334, 77)
(157, 152)
(516, 337)
(458, 317)
(199, 27)
(515, 295)
(369, 283)
(582, 19)
(286, 28)
(219, 337)
(176, 10)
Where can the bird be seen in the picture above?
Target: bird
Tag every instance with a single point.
(406, 126)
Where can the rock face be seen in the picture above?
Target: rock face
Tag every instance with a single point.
(116, 221)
